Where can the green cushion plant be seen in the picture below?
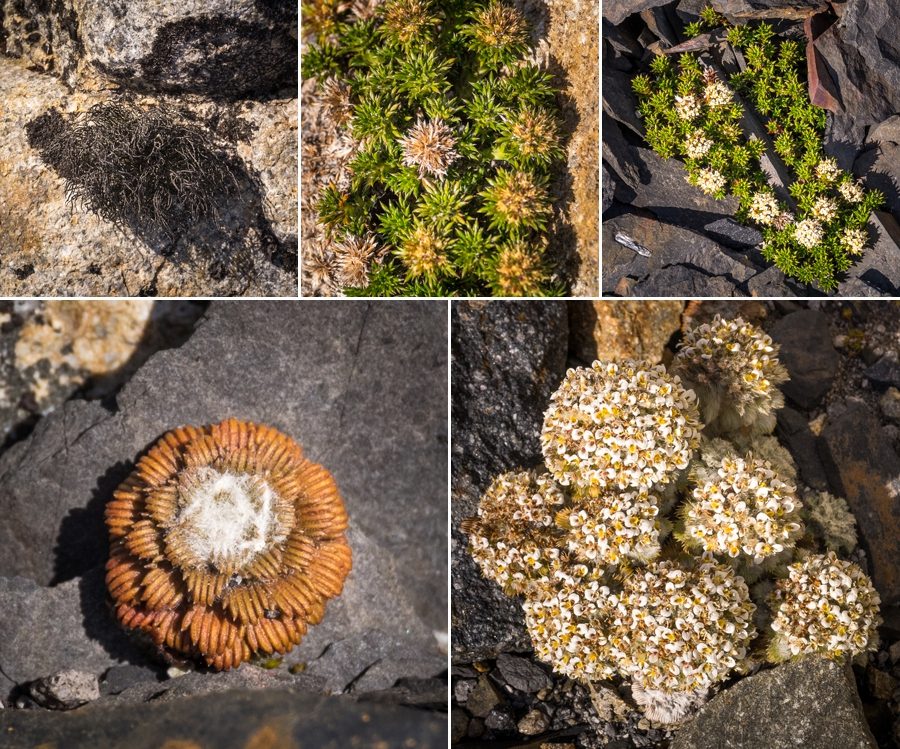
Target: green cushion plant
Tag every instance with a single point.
(455, 132)
(692, 114)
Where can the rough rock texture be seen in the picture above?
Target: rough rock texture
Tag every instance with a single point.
(48, 350)
(65, 690)
(361, 386)
(623, 330)
(239, 719)
(811, 704)
(236, 60)
(233, 48)
(862, 59)
(864, 468)
(682, 262)
(508, 357)
(808, 354)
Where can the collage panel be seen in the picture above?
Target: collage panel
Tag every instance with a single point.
(750, 148)
(223, 524)
(148, 148)
(450, 148)
(674, 525)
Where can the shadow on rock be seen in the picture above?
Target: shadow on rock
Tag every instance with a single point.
(162, 178)
(82, 541)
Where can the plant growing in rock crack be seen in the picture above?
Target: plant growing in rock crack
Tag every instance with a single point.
(454, 132)
(692, 114)
(660, 507)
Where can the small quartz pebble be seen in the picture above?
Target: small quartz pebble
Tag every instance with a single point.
(65, 690)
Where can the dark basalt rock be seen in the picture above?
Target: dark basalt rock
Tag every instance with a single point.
(508, 358)
(808, 354)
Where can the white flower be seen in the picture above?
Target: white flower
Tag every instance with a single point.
(746, 509)
(854, 240)
(828, 170)
(825, 209)
(688, 107)
(851, 191)
(764, 208)
(430, 147)
(808, 232)
(826, 605)
(697, 145)
(624, 425)
(717, 94)
(710, 181)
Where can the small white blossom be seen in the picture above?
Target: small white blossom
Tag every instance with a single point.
(827, 606)
(624, 425)
(851, 191)
(808, 232)
(688, 107)
(825, 209)
(854, 240)
(697, 145)
(764, 208)
(717, 94)
(710, 181)
(828, 170)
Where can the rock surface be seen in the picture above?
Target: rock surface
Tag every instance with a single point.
(811, 703)
(507, 359)
(361, 386)
(66, 690)
(864, 468)
(623, 330)
(239, 719)
(808, 354)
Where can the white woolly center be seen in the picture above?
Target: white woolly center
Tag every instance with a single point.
(226, 518)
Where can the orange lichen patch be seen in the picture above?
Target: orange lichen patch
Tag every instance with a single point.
(226, 543)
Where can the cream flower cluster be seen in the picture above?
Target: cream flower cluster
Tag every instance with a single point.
(680, 629)
(566, 619)
(513, 538)
(854, 240)
(613, 526)
(621, 425)
(808, 232)
(825, 209)
(735, 358)
(851, 191)
(827, 606)
(697, 145)
(717, 94)
(688, 107)
(710, 181)
(828, 170)
(745, 510)
(764, 208)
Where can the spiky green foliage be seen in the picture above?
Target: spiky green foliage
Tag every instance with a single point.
(814, 234)
(457, 135)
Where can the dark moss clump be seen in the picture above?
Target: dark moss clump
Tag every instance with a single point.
(138, 168)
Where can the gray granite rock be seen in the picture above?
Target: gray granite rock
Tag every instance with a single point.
(863, 60)
(362, 386)
(65, 690)
(863, 468)
(47, 630)
(680, 260)
(236, 719)
(507, 360)
(808, 354)
(811, 703)
(219, 48)
(617, 11)
(522, 674)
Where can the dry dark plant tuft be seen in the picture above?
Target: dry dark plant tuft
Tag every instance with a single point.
(131, 166)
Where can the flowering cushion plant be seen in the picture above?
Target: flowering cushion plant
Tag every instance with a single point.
(454, 133)
(816, 229)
